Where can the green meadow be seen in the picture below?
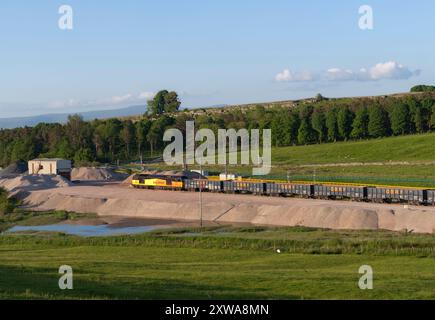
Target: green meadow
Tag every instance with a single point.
(402, 161)
(220, 263)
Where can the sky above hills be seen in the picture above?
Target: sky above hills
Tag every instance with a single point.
(120, 53)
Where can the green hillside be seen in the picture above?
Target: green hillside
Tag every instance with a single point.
(403, 161)
(412, 148)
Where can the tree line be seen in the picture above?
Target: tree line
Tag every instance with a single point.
(318, 121)
(362, 120)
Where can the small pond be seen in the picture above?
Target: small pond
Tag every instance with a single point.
(84, 231)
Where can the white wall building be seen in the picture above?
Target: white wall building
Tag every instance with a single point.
(51, 167)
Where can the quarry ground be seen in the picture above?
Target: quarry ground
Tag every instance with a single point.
(118, 199)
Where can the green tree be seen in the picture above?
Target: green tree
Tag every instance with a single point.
(281, 128)
(331, 124)
(6, 204)
(420, 113)
(344, 122)
(378, 122)
(164, 102)
(157, 105)
(156, 131)
(172, 103)
(127, 135)
(415, 114)
(99, 139)
(78, 132)
(142, 128)
(305, 132)
(111, 132)
(22, 149)
(400, 119)
(423, 88)
(63, 149)
(432, 118)
(153, 136)
(319, 98)
(426, 111)
(360, 124)
(84, 156)
(293, 127)
(318, 122)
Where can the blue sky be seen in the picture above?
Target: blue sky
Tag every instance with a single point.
(211, 52)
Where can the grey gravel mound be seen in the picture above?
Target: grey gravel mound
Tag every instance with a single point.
(16, 168)
(96, 174)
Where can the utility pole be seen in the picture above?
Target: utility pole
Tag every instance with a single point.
(200, 195)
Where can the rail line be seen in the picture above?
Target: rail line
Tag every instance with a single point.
(319, 190)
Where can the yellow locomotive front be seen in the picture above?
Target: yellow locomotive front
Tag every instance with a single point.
(141, 181)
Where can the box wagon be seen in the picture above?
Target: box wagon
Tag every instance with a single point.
(195, 185)
(244, 187)
(289, 189)
(396, 195)
(340, 192)
(430, 195)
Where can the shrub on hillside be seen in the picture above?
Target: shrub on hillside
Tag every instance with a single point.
(423, 88)
(6, 205)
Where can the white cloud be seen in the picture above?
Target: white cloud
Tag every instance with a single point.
(103, 102)
(284, 76)
(62, 104)
(120, 99)
(287, 76)
(146, 95)
(390, 70)
(337, 74)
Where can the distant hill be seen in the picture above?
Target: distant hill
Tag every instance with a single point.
(134, 112)
(8, 123)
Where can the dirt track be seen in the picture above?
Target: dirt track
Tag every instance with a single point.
(108, 199)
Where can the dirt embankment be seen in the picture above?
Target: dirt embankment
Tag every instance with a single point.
(120, 200)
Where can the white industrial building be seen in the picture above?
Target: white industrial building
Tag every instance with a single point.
(60, 167)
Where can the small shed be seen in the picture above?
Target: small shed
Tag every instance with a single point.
(60, 167)
(229, 177)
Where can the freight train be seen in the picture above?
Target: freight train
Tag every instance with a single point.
(282, 189)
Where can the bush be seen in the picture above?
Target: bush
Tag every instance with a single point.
(6, 205)
(423, 88)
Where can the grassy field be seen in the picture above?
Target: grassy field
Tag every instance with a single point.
(412, 148)
(402, 161)
(220, 263)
